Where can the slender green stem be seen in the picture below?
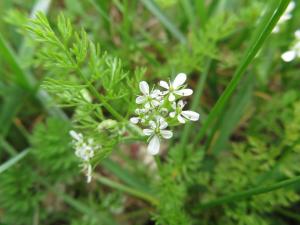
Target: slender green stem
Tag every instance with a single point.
(255, 46)
(108, 107)
(249, 193)
(157, 161)
(126, 189)
(156, 11)
(201, 9)
(13, 161)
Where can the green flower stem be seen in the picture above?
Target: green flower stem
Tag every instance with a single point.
(133, 139)
(268, 23)
(249, 193)
(165, 21)
(129, 190)
(94, 91)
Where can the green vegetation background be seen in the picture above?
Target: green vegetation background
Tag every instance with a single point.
(239, 165)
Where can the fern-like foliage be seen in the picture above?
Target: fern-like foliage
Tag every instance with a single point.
(20, 194)
(252, 164)
(53, 152)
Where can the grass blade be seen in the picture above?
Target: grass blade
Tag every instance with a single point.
(251, 192)
(266, 27)
(126, 189)
(125, 176)
(10, 108)
(7, 147)
(156, 11)
(13, 161)
(24, 80)
(232, 116)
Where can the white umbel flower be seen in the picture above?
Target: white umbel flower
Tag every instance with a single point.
(84, 150)
(175, 88)
(150, 99)
(157, 131)
(183, 115)
(294, 52)
(285, 16)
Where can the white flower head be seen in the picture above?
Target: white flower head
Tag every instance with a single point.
(176, 87)
(183, 115)
(157, 131)
(149, 98)
(285, 16)
(294, 52)
(84, 150)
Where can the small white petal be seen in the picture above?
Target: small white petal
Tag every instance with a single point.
(147, 105)
(275, 29)
(167, 134)
(153, 146)
(172, 114)
(190, 115)
(75, 135)
(184, 92)
(140, 99)
(174, 105)
(181, 104)
(138, 111)
(155, 103)
(179, 80)
(155, 93)
(180, 119)
(148, 132)
(290, 7)
(163, 124)
(134, 120)
(89, 173)
(285, 18)
(144, 87)
(164, 84)
(297, 34)
(152, 125)
(171, 97)
(289, 56)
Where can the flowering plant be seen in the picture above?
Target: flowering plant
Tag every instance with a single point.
(160, 109)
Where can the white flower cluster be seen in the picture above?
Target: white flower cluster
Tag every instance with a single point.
(294, 51)
(285, 16)
(159, 109)
(85, 150)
